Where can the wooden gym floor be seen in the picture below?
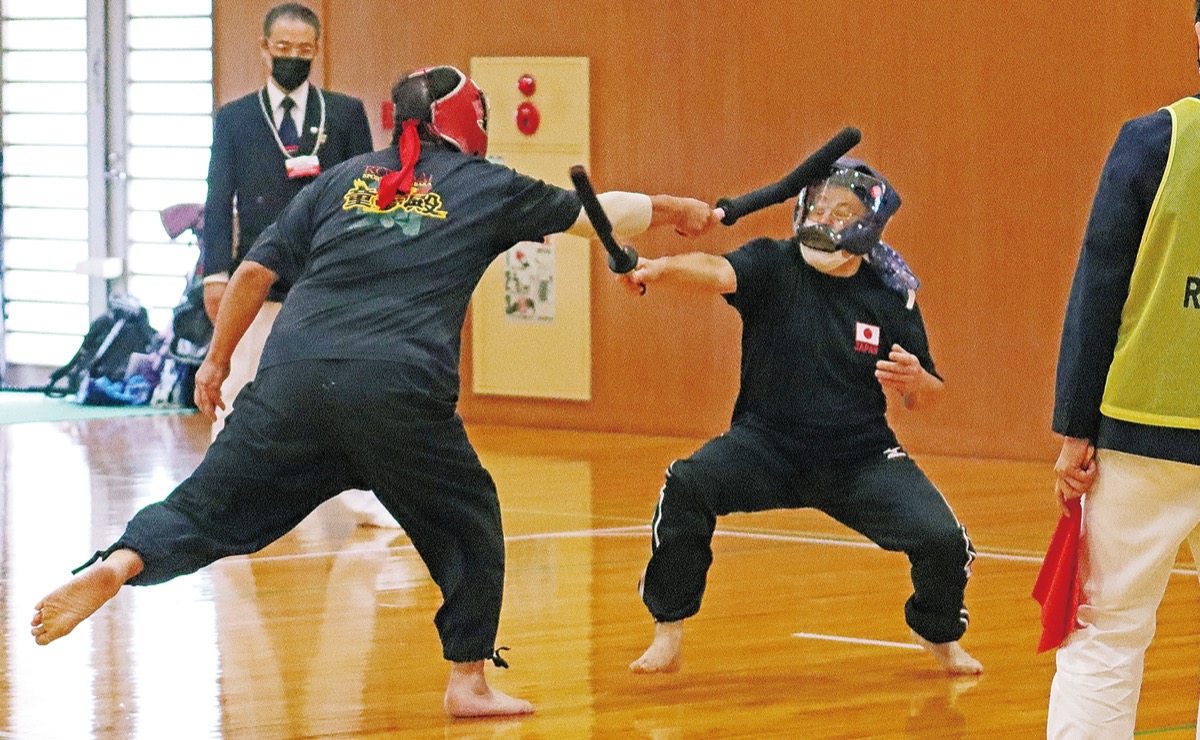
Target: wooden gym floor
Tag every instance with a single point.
(328, 632)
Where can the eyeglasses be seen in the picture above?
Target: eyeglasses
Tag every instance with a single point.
(288, 49)
(832, 206)
(840, 212)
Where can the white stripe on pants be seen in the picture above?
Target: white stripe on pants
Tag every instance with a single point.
(1136, 516)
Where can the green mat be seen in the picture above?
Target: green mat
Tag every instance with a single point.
(23, 407)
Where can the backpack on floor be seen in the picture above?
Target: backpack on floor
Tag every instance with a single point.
(110, 343)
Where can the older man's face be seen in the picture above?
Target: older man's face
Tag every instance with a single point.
(835, 207)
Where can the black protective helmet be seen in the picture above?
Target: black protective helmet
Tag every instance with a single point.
(860, 235)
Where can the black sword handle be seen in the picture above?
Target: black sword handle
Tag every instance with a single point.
(621, 259)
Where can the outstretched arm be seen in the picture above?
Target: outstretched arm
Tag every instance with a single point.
(633, 213)
(689, 216)
(246, 294)
(902, 374)
(698, 271)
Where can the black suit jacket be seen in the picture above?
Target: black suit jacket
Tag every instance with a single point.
(248, 168)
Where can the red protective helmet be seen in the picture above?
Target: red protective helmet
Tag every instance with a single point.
(447, 104)
(457, 108)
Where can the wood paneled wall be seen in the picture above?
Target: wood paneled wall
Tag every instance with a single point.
(991, 119)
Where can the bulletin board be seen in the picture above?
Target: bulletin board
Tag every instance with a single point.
(531, 313)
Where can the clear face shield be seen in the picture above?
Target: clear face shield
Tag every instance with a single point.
(841, 212)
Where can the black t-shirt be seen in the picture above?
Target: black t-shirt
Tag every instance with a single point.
(809, 347)
(394, 285)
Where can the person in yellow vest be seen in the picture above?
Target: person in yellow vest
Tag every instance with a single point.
(1127, 403)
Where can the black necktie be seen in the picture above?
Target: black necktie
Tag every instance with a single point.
(287, 127)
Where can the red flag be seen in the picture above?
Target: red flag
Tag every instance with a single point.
(1057, 587)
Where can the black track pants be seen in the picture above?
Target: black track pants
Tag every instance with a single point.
(885, 497)
(304, 432)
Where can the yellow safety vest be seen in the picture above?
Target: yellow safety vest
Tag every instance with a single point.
(1155, 373)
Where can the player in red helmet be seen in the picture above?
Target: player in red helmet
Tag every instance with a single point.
(359, 379)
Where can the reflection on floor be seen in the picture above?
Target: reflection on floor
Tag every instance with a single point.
(328, 632)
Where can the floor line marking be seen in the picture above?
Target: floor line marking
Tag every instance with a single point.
(856, 640)
(408, 547)
(640, 528)
(808, 539)
(606, 532)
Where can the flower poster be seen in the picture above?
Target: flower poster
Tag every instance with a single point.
(529, 282)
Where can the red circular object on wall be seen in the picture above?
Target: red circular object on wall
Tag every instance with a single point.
(527, 85)
(528, 118)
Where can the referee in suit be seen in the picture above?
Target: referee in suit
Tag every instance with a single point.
(266, 147)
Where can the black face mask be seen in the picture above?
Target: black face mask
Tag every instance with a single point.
(290, 72)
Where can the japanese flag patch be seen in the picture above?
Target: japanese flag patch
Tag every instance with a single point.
(866, 338)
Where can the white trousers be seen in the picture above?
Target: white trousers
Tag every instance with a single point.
(361, 506)
(1135, 518)
(243, 364)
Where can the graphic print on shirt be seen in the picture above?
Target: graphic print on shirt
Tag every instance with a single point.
(406, 212)
(866, 338)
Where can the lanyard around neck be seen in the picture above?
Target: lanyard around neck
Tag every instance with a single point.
(275, 132)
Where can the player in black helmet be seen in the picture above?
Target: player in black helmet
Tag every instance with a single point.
(359, 378)
(831, 329)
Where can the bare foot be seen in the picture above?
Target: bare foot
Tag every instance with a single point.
(76, 600)
(665, 654)
(951, 656)
(468, 695)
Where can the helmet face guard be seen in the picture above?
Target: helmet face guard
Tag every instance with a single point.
(461, 117)
(845, 211)
(458, 115)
